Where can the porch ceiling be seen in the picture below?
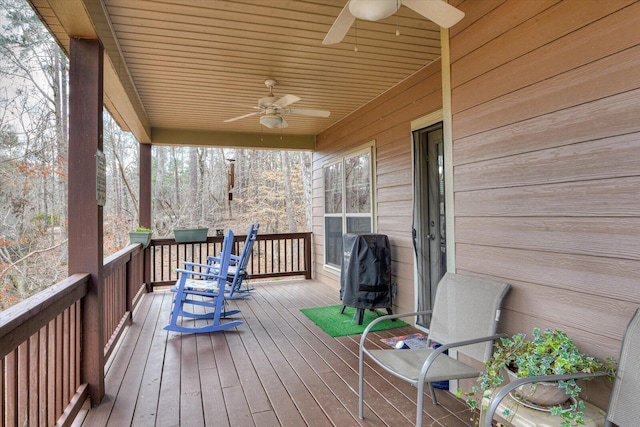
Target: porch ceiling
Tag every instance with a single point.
(187, 65)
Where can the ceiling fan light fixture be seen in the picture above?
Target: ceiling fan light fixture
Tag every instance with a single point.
(271, 121)
(373, 10)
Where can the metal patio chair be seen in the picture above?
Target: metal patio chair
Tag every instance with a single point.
(464, 318)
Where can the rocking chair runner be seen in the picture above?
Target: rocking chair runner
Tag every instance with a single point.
(623, 410)
(212, 288)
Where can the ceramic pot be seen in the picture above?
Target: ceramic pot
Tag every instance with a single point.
(543, 394)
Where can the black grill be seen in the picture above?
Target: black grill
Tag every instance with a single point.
(365, 279)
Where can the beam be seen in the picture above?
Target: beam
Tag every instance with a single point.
(86, 19)
(122, 97)
(165, 136)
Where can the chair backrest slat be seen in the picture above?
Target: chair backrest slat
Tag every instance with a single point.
(466, 308)
(248, 246)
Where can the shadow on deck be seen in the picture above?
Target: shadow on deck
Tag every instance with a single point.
(277, 369)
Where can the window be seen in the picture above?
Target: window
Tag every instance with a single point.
(347, 202)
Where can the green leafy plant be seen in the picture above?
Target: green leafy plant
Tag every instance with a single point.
(550, 352)
(142, 230)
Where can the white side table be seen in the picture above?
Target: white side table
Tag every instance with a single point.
(528, 417)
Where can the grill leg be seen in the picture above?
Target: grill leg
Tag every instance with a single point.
(391, 312)
(360, 316)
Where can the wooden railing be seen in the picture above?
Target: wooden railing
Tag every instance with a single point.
(40, 346)
(41, 342)
(41, 338)
(273, 255)
(123, 287)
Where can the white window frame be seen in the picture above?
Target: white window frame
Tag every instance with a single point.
(368, 148)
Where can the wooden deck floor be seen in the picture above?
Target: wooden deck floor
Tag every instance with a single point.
(277, 369)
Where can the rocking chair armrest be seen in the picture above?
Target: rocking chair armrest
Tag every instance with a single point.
(212, 258)
(232, 258)
(198, 273)
(195, 264)
(495, 400)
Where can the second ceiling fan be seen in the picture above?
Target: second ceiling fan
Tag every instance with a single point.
(437, 11)
(272, 108)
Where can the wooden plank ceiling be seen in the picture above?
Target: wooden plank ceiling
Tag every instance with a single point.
(192, 64)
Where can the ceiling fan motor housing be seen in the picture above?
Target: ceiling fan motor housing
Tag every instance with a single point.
(267, 101)
(373, 10)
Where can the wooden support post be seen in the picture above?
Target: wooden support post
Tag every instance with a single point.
(307, 256)
(85, 213)
(144, 205)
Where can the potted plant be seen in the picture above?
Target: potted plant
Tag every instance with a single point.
(141, 235)
(190, 235)
(549, 352)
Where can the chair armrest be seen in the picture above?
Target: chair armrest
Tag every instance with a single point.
(195, 264)
(444, 347)
(387, 317)
(212, 258)
(198, 273)
(495, 400)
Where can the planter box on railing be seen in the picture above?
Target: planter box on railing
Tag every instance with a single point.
(190, 235)
(143, 237)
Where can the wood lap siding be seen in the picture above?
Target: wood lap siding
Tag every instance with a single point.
(546, 153)
(387, 120)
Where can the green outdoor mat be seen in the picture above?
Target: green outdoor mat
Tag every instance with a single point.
(335, 324)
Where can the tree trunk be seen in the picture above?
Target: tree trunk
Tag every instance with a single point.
(305, 163)
(288, 194)
(195, 199)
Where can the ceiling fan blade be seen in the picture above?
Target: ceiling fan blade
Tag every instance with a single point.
(305, 112)
(285, 100)
(284, 124)
(340, 27)
(437, 11)
(242, 117)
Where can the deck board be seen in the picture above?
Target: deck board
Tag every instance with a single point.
(277, 369)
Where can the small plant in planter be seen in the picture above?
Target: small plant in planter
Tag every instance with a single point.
(141, 235)
(550, 352)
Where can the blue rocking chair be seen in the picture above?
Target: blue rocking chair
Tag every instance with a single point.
(210, 288)
(237, 270)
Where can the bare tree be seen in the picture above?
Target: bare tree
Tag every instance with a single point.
(288, 196)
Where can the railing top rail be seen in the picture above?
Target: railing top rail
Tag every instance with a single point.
(113, 261)
(171, 241)
(19, 322)
(273, 236)
(238, 237)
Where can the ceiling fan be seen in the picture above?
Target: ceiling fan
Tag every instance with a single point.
(271, 109)
(437, 11)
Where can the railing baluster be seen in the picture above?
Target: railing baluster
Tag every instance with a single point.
(274, 255)
(11, 379)
(2, 392)
(23, 383)
(51, 373)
